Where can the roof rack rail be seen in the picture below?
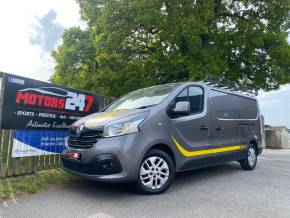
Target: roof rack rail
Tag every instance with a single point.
(218, 82)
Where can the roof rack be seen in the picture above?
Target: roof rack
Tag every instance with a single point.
(218, 82)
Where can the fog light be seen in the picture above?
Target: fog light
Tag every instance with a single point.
(108, 165)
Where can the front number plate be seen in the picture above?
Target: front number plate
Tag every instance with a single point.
(73, 155)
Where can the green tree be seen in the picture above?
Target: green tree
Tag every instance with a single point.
(137, 43)
(75, 58)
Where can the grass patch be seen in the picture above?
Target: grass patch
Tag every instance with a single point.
(16, 186)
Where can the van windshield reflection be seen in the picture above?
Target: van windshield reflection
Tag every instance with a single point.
(143, 98)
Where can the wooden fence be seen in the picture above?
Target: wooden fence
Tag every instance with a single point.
(26, 165)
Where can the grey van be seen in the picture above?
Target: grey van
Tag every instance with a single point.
(148, 135)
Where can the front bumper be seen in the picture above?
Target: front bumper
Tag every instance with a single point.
(113, 159)
(106, 164)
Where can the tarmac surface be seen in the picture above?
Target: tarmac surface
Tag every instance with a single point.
(221, 191)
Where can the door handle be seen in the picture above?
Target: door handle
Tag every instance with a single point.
(218, 128)
(203, 127)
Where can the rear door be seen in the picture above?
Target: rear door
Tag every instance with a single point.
(190, 132)
(225, 139)
(251, 123)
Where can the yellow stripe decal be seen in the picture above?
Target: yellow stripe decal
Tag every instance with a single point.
(187, 153)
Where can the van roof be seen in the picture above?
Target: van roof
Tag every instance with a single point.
(202, 83)
(225, 90)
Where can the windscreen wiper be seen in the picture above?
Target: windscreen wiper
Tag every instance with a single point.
(146, 106)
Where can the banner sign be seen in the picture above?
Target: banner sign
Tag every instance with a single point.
(32, 104)
(38, 142)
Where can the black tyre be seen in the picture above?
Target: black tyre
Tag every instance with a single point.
(156, 173)
(250, 162)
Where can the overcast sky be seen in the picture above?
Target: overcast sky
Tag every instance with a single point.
(275, 106)
(31, 29)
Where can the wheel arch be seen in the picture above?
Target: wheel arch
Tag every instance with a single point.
(254, 142)
(165, 148)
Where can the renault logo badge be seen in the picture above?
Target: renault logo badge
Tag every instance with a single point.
(79, 130)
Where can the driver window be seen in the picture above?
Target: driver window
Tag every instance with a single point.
(182, 96)
(194, 95)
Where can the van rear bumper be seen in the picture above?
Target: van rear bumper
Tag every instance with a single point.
(260, 150)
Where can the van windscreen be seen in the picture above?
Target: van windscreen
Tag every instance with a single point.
(143, 98)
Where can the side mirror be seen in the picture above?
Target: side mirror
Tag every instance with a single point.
(182, 108)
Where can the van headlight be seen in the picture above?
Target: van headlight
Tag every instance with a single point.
(125, 126)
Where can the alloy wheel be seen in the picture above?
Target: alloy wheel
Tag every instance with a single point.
(154, 172)
(252, 156)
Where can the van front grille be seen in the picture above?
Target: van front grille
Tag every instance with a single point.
(85, 140)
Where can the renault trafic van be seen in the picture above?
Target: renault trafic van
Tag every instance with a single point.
(148, 135)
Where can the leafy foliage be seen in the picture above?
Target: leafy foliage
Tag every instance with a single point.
(130, 44)
(75, 60)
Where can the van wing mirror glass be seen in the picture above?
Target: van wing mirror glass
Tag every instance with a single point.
(182, 107)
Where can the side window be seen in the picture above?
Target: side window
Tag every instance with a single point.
(195, 97)
(229, 106)
(249, 108)
(182, 96)
(225, 105)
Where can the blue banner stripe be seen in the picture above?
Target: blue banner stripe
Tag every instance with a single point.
(46, 140)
